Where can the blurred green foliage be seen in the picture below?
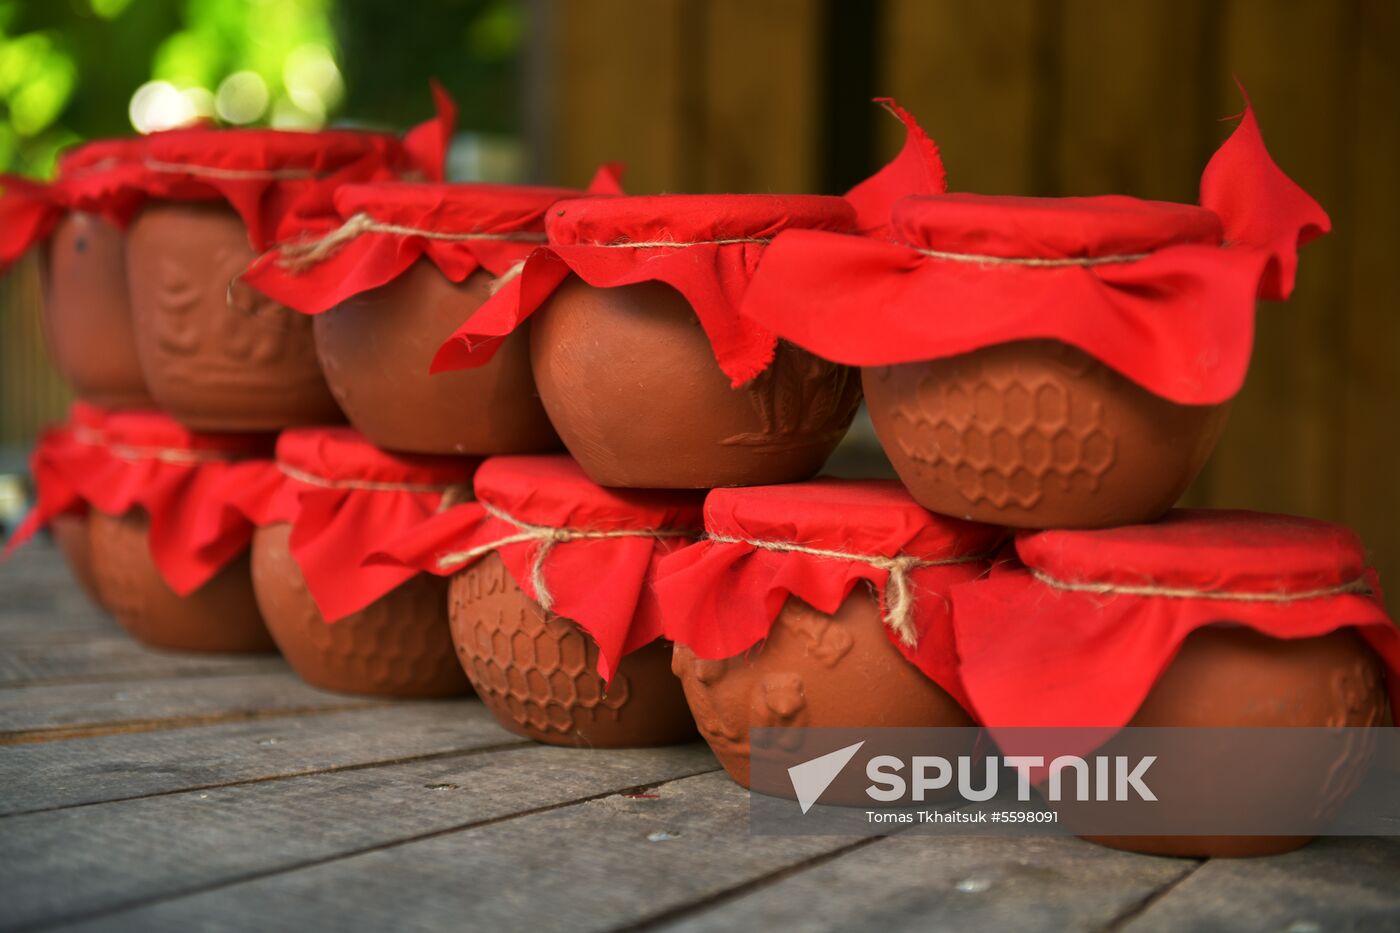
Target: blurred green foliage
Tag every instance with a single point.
(69, 68)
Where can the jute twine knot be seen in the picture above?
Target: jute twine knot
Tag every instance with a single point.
(302, 254)
(546, 536)
(899, 592)
(1359, 586)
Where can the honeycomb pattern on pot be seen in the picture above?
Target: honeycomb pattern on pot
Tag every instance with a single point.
(398, 642)
(1000, 434)
(539, 671)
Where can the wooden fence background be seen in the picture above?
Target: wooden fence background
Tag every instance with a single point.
(1047, 97)
(1056, 97)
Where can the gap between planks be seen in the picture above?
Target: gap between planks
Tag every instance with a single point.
(1121, 921)
(288, 775)
(60, 733)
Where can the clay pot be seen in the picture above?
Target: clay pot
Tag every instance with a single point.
(87, 317)
(631, 384)
(536, 673)
(398, 646)
(375, 350)
(1237, 677)
(1037, 434)
(812, 671)
(70, 533)
(221, 615)
(217, 355)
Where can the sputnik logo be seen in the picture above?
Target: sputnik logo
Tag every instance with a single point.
(811, 778)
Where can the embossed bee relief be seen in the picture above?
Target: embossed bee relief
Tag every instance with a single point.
(800, 400)
(222, 317)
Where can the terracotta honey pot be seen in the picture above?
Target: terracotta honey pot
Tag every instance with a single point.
(817, 605)
(406, 265)
(1049, 363)
(1206, 619)
(331, 499)
(169, 549)
(217, 354)
(63, 458)
(551, 603)
(78, 222)
(643, 363)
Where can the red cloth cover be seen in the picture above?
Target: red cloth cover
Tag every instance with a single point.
(512, 214)
(918, 169)
(91, 177)
(185, 482)
(283, 183)
(602, 584)
(64, 454)
(344, 498)
(720, 242)
(719, 599)
(1037, 655)
(1175, 316)
(28, 212)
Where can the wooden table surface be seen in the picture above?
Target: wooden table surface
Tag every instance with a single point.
(148, 791)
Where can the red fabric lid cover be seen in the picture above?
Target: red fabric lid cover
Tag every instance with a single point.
(385, 227)
(344, 498)
(917, 169)
(600, 582)
(28, 212)
(283, 182)
(718, 240)
(62, 455)
(1036, 653)
(91, 177)
(1145, 287)
(720, 596)
(185, 483)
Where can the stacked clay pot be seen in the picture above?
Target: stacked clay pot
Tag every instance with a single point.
(406, 266)
(1208, 618)
(170, 553)
(217, 354)
(647, 370)
(818, 605)
(1068, 364)
(1049, 363)
(551, 601)
(329, 501)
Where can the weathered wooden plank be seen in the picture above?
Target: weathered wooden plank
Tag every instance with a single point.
(759, 124)
(1372, 496)
(599, 865)
(1283, 448)
(917, 882)
(88, 657)
(51, 775)
(1333, 884)
(971, 73)
(30, 712)
(625, 77)
(1134, 116)
(81, 862)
